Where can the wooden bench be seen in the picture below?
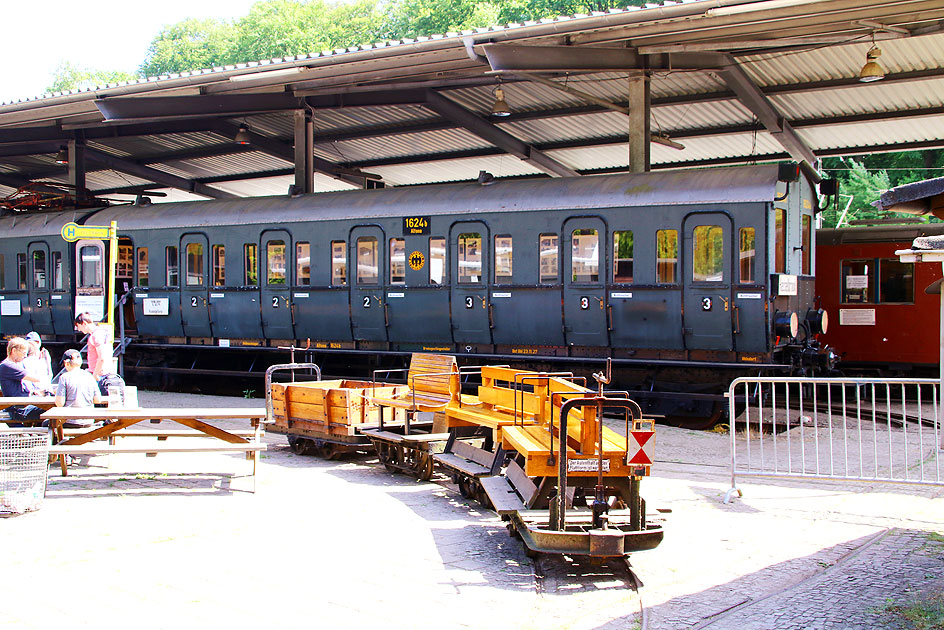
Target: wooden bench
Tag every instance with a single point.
(466, 458)
(433, 381)
(86, 441)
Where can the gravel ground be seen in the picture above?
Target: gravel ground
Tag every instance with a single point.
(181, 541)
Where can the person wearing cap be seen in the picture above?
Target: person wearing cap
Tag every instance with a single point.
(39, 365)
(77, 387)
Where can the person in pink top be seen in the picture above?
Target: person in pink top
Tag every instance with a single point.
(100, 360)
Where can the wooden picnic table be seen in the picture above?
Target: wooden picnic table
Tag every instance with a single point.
(44, 402)
(118, 419)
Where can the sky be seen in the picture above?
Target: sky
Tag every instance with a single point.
(93, 34)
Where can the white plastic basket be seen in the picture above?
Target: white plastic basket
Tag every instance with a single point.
(24, 459)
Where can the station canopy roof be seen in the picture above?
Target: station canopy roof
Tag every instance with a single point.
(731, 81)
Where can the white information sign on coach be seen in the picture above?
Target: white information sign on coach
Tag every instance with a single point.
(94, 305)
(10, 308)
(857, 282)
(857, 317)
(155, 306)
(786, 284)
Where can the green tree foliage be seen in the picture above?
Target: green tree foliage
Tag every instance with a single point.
(285, 28)
(191, 45)
(69, 76)
(866, 177)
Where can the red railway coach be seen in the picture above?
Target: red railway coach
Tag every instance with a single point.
(882, 321)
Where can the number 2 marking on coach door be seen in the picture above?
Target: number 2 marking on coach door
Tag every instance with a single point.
(193, 300)
(366, 301)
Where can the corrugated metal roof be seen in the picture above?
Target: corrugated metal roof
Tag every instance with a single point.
(811, 85)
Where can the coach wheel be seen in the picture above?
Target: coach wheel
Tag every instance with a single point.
(300, 446)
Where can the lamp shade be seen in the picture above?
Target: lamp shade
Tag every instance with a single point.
(500, 108)
(872, 71)
(242, 136)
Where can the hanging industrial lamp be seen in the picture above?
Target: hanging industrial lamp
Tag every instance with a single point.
(242, 135)
(872, 71)
(500, 108)
(62, 157)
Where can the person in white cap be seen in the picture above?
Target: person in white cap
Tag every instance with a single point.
(38, 365)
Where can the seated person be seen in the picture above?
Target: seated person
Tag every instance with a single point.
(13, 379)
(38, 364)
(77, 388)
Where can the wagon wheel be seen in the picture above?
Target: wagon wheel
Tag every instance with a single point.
(422, 465)
(328, 450)
(389, 456)
(463, 487)
(300, 446)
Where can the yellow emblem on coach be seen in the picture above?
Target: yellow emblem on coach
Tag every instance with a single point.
(417, 260)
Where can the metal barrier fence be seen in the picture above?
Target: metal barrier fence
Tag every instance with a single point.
(836, 428)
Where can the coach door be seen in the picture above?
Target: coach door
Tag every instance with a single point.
(195, 305)
(275, 284)
(468, 253)
(707, 306)
(39, 288)
(585, 320)
(367, 252)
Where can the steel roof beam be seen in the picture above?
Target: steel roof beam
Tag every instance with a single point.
(768, 115)
(492, 134)
(286, 152)
(515, 58)
(152, 174)
(231, 105)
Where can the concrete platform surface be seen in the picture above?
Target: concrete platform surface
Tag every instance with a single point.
(181, 541)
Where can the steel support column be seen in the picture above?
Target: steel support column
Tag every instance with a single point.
(639, 132)
(304, 152)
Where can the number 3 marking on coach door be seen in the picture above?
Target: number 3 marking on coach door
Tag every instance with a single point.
(468, 301)
(584, 303)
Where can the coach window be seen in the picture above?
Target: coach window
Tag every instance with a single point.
(170, 255)
(780, 240)
(367, 260)
(856, 282)
(585, 256)
(503, 259)
(547, 251)
(895, 281)
(303, 263)
(21, 271)
(142, 266)
(90, 266)
(275, 262)
(55, 267)
(338, 263)
(219, 265)
(195, 264)
(125, 267)
(666, 256)
(807, 244)
(623, 256)
(250, 264)
(39, 269)
(708, 253)
(437, 260)
(397, 261)
(470, 258)
(746, 255)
